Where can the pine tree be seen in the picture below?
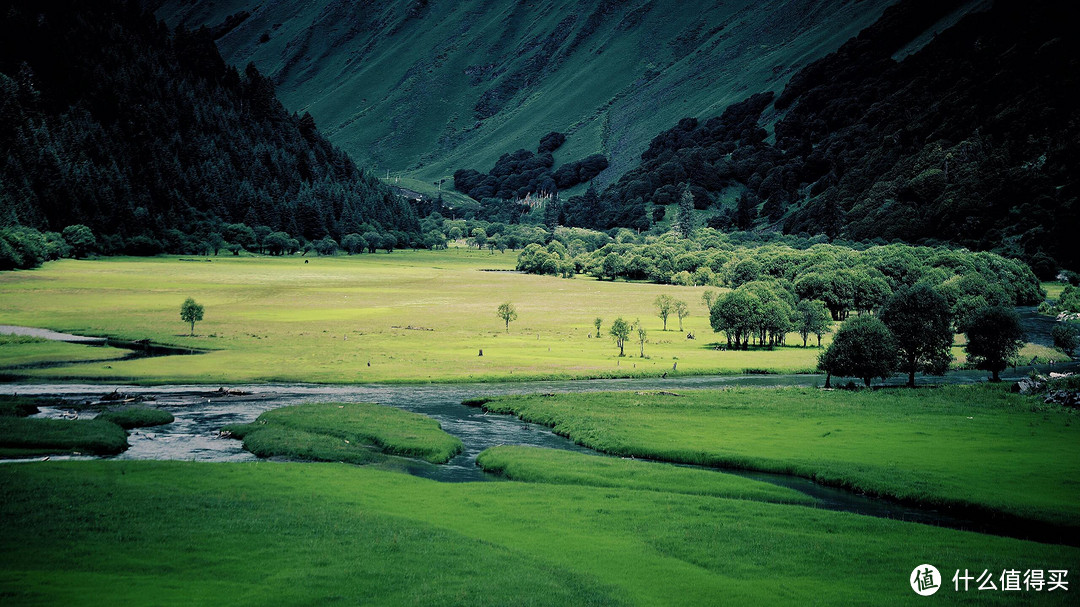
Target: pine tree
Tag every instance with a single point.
(684, 215)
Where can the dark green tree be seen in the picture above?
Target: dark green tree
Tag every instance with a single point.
(863, 348)
(684, 214)
(80, 239)
(1066, 337)
(919, 319)
(994, 337)
(736, 314)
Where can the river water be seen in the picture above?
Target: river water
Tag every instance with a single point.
(200, 412)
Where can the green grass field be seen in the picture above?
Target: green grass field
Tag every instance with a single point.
(25, 437)
(555, 467)
(106, 533)
(18, 351)
(349, 432)
(414, 316)
(972, 446)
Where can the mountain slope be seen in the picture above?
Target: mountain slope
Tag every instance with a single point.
(110, 120)
(970, 136)
(426, 88)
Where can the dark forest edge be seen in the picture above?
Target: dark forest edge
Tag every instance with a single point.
(148, 139)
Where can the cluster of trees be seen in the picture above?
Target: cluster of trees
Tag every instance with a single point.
(147, 137)
(521, 173)
(913, 333)
(970, 140)
(845, 279)
(1068, 302)
(22, 247)
(764, 312)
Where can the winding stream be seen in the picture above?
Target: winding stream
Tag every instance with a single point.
(200, 412)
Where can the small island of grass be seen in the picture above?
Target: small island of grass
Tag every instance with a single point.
(137, 417)
(358, 433)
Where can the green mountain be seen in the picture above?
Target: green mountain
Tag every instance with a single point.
(109, 120)
(969, 138)
(423, 88)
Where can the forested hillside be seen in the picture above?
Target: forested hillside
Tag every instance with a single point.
(426, 87)
(971, 139)
(110, 120)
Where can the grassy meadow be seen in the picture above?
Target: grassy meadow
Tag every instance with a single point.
(18, 352)
(969, 446)
(268, 534)
(408, 316)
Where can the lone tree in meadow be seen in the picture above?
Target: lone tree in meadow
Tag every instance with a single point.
(664, 304)
(642, 336)
(507, 313)
(681, 310)
(994, 336)
(596, 323)
(620, 330)
(919, 319)
(191, 312)
(811, 318)
(863, 348)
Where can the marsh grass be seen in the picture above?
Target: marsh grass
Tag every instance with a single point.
(972, 447)
(23, 437)
(137, 417)
(557, 467)
(21, 406)
(357, 433)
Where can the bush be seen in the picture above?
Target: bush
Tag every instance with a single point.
(1067, 337)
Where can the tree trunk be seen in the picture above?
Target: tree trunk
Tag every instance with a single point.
(911, 379)
(828, 380)
(867, 380)
(996, 377)
(192, 334)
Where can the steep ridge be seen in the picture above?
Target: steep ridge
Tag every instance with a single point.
(426, 88)
(110, 120)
